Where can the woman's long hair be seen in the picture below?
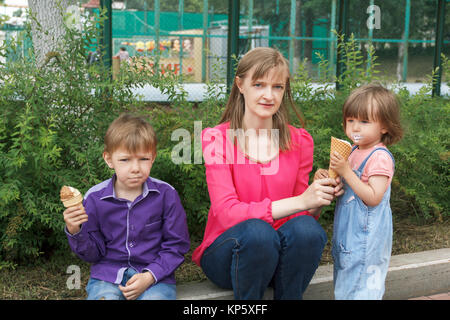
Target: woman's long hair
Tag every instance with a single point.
(262, 59)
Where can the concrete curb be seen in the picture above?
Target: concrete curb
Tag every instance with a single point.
(410, 275)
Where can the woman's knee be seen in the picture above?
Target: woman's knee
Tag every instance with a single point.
(305, 230)
(259, 236)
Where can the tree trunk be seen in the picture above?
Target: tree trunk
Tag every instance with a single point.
(309, 18)
(308, 44)
(401, 53)
(298, 32)
(49, 15)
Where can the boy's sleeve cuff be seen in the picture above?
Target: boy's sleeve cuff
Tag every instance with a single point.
(77, 235)
(154, 277)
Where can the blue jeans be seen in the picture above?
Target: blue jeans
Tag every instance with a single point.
(252, 255)
(103, 290)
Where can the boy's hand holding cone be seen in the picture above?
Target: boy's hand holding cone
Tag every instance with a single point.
(74, 215)
(342, 147)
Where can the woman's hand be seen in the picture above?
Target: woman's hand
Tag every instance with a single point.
(74, 217)
(323, 174)
(320, 193)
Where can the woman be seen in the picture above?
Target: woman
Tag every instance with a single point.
(262, 225)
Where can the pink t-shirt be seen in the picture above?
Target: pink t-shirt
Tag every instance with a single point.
(379, 164)
(241, 189)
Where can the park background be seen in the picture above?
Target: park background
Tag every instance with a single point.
(56, 106)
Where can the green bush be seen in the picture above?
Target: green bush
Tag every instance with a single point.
(422, 157)
(53, 120)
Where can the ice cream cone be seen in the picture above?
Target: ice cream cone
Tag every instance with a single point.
(70, 196)
(344, 148)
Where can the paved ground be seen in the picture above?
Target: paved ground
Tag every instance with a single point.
(441, 296)
(415, 276)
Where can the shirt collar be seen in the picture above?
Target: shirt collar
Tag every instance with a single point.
(150, 186)
(109, 192)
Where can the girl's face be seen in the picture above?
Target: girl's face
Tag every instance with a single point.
(262, 96)
(365, 133)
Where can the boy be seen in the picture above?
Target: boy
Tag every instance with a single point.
(133, 227)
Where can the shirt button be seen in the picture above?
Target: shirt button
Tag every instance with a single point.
(131, 244)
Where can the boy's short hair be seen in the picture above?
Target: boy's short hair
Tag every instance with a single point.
(375, 102)
(131, 132)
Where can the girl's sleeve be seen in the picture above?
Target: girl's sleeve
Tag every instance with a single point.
(227, 209)
(379, 164)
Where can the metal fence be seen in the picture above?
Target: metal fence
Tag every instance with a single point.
(408, 35)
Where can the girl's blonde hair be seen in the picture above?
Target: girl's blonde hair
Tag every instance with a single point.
(374, 102)
(262, 59)
(131, 132)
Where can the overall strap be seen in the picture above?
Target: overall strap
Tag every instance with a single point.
(361, 167)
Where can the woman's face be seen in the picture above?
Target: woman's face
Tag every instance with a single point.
(263, 96)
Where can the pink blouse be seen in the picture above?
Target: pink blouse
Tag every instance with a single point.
(242, 189)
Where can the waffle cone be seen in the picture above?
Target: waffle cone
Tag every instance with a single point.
(343, 147)
(73, 201)
(70, 196)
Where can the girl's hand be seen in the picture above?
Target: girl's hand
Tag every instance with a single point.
(339, 189)
(137, 285)
(339, 164)
(74, 217)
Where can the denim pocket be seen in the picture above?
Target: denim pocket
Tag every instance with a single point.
(341, 256)
(363, 216)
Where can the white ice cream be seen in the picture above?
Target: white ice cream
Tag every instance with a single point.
(357, 137)
(75, 191)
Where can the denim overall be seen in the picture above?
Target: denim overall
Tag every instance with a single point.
(362, 243)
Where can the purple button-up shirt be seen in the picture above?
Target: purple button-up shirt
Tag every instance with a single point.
(149, 233)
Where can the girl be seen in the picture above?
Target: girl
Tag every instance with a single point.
(362, 238)
(261, 226)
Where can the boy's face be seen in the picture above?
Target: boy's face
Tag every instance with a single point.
(132, 169)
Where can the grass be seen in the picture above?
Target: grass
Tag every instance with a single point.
(47, 279)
